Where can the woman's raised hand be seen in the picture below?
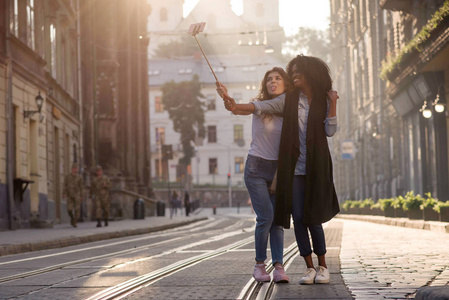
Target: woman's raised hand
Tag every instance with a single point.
(223, 92)
(229, 103)
(221, 89)
(333, 95)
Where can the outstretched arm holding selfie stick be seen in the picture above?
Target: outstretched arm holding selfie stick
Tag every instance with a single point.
(236, 109)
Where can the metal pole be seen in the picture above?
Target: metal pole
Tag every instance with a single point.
(160, 156)
(197, 167)
(204, 54)
(229, 180)
(169, 190)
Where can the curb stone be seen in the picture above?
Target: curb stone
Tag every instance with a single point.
(401, 222)
(71, 241)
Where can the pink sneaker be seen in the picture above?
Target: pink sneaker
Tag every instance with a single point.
(279, 275)
(260, 274)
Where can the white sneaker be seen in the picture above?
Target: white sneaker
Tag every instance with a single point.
(308, 277)
(322, 276)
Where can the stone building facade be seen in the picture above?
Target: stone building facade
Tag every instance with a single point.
(88, 62)
(38, 57)
(114, 69)
(390, 63)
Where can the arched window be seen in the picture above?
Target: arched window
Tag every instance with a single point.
(260, 10)
(163, 15)
(75, 154)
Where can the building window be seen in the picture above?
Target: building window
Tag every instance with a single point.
(53, 50)
(158, 105)
(212, 134)
(210, 102)
(160, 135)
(238, 132)
(213, 166)
(63, 63)
(75, 154)
(14, 17)
(30, 24)
(239, 167)
(163, 16)
(39, 28)
(161, 168)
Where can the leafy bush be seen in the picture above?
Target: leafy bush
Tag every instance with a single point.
(366, 203)
(347, 205)
(412, 201)
(437, 207)
(395, 59)
(356, 204)
(428, 201)
(385, 203)
(398, 202)
(376, 205)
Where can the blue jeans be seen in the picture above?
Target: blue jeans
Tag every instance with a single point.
(302, 230)
(259, 174)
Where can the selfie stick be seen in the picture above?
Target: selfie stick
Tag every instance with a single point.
(194, 30)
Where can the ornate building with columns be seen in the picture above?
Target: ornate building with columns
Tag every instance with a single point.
(390, 62)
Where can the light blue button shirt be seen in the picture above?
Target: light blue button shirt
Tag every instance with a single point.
(276, 105)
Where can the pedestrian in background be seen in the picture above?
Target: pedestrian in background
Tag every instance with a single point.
(99, 190)
(260, 169)
(73, 192)
(174, 202)
(305, 188)
(187, 202)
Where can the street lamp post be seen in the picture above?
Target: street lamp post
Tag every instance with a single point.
(39, 102)
(229, 177)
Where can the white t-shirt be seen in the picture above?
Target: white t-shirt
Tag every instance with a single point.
(266, 136)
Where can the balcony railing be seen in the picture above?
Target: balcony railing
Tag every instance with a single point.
(397, 5)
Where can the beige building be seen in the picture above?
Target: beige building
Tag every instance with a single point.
(87, 60)
(38, 60)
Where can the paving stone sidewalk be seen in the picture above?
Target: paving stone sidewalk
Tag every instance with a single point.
(62, 235)
(391, 262)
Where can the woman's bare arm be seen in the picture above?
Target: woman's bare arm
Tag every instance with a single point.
(237, 109)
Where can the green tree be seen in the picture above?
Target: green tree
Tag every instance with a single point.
(185, 109)
(308, 41)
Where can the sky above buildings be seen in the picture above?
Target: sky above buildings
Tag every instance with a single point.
(292, 13)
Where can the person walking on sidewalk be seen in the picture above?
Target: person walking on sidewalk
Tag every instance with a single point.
(187, 202)
(305, 188)
(99, 190)
(73, 192)
(174, 203)
(259, 173)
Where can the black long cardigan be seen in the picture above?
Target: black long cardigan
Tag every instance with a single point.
(321, 203)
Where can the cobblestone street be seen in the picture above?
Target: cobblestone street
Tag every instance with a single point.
(366, 260)
(390, 262)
